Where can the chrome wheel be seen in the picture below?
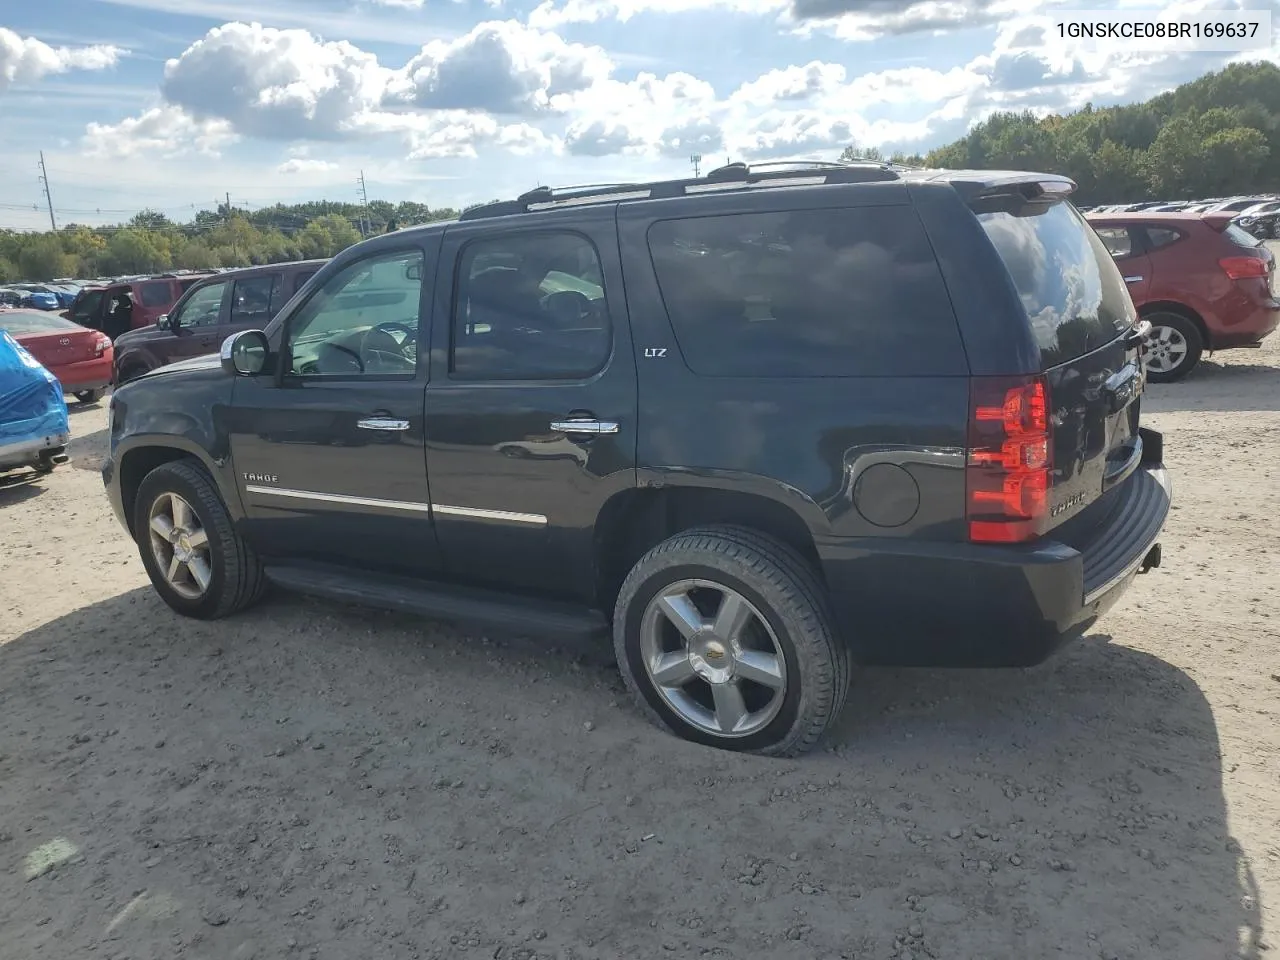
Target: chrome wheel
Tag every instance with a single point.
(180, 546)
(1167, 349)
(713, 658)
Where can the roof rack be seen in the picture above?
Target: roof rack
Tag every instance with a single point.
(732, 176)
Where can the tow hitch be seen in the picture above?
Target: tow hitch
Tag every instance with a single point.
(1151, 560)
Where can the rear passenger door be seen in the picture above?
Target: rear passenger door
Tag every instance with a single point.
(531, 407)
(1127, 246)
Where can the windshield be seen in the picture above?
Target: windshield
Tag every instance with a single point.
(1070, 287)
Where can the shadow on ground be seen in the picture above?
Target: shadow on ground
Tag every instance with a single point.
(316, 780)
(1220, 384)
(21, 485)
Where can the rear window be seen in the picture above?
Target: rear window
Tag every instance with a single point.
(1070, 287)
(20, 322)
(1240, 236)
(850, 292)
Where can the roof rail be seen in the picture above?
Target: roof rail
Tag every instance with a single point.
(728, 177)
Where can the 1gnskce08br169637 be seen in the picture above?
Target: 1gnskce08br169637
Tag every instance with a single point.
(759, 426)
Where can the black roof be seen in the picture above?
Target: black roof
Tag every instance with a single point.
(785, 173)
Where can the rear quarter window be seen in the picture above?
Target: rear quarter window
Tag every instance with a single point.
(845, 292)
(1071, 290)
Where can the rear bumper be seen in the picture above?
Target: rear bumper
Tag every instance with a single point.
(86, 375)
(964, 605)
(23, 453)
(1249, 328)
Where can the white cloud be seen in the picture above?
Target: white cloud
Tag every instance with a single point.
(305, 165)
(275, 84)
(26, 59)
(499, 67)
(164, 131)
(553, 13)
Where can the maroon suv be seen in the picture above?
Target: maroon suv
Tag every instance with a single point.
(208, 313)
(1203, 282)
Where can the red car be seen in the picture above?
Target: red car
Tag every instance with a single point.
(81, 359)
(1203, 282)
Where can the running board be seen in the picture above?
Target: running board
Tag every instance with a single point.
(470, 605)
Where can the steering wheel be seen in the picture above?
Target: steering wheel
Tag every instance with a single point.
(410, 334)
(566, 307)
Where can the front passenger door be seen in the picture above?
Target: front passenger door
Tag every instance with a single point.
(195, 323)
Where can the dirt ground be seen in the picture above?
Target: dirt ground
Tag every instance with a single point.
(317, 781)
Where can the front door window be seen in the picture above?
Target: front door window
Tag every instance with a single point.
(362, 323)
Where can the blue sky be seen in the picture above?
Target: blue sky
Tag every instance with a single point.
(170, 104)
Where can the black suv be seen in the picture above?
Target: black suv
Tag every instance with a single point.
(762, 425)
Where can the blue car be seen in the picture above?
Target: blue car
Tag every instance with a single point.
(34, 430)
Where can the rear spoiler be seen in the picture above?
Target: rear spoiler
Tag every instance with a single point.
(1218, 221)
(1022, 196)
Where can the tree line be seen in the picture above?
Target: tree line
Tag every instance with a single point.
(1218, 135)
(226, 237)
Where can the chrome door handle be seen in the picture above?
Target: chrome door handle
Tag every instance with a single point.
(1132, 279)
(382, 423)
(593, 427)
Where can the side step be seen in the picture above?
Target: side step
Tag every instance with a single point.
(469, 605)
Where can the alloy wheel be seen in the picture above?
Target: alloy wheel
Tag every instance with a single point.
(180, 546)
(713, 658)
(1167, 349)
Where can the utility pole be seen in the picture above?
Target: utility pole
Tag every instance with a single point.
(44, 178)
(696, 160)
(235, 250)
(366, 224)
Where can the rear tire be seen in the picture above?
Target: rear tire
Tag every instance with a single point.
(90, 396)
(757, 666)
(1174, 347)
(196, 561)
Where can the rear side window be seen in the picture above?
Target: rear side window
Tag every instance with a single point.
(156, 294)
(849, 292)
(301, 279)
(1069, 285)
(1240, 236)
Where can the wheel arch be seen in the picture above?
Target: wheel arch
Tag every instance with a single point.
(634, 521)
(140, 459)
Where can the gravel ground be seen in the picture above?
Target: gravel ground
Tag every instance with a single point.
(320, 781)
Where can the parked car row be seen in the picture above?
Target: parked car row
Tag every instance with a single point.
(1258, 215)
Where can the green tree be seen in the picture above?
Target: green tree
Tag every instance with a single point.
(42, 258)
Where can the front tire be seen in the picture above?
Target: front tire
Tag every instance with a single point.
(196, 561)
(90, 396)
(1174, 347)
(723, 636)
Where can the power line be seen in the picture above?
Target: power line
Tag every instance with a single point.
(44, 178)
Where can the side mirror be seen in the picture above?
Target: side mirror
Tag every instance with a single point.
(162, 321)
(244, 354)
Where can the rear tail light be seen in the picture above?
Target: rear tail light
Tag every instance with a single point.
(1008, 463)
(1242, 268)
(101, 345)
